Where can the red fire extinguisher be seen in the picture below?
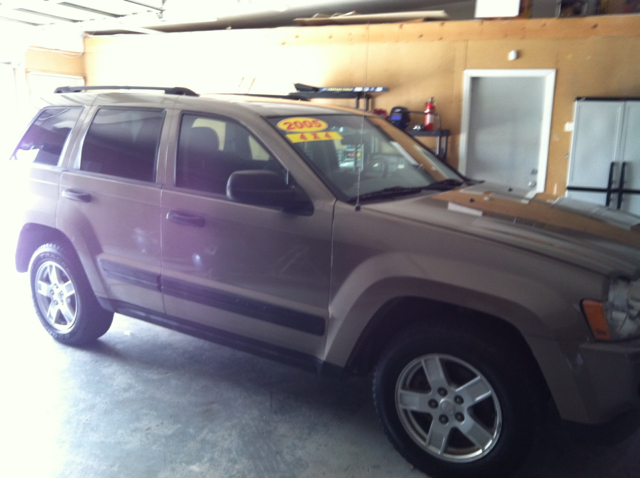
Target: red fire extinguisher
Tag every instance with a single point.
(430, 115)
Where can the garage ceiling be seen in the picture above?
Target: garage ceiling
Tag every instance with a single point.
(157, 16)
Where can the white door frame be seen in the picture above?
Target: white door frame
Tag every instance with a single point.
(549, 77)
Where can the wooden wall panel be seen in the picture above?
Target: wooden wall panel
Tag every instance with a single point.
(588, 67)
(61, 63)
(414, 71)
(493, 54)
(593, 56)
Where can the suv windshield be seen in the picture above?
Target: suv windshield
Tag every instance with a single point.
(365, 157)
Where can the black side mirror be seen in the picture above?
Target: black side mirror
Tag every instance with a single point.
(261, 188)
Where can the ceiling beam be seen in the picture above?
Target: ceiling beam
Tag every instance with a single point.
(89, 9)
(8, 19)
(45, 15)
(145, 5)
(118, 24)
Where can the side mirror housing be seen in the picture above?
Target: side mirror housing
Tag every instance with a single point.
(260, 188)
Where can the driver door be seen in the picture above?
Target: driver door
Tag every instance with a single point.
(251, 273)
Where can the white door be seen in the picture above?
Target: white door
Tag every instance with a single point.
(505, 126)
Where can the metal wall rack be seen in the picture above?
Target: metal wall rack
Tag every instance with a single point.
(338, 92)
(611, 188)
(442, 144)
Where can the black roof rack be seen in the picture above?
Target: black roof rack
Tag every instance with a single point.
(290, 96)
(175, 90)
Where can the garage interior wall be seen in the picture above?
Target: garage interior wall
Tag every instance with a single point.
(593, 56)
(17, 92)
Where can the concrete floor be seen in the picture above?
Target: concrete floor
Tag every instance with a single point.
(148, 402)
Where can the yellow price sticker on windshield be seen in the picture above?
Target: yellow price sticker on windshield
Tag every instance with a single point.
(302, 125)
(305, 137)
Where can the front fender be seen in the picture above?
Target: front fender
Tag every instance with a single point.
(542, 307)
(389, 277)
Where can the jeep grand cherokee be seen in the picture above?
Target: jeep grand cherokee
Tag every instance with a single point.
(329, 239)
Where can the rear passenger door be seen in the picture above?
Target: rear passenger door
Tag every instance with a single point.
(110, 205)
(255, 272)
(36, 165)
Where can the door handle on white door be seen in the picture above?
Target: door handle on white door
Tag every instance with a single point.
(532, 184)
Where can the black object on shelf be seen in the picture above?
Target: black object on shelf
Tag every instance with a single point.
(400, 117)
(441, 134)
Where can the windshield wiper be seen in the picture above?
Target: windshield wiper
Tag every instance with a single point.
(446, 184)
(390, 192)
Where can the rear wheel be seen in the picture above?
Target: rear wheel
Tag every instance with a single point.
(63, 299)
(455, 404)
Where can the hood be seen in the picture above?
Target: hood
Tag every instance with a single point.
(585, 234)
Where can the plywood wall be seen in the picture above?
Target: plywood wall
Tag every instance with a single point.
(56, 62)
(593, 56)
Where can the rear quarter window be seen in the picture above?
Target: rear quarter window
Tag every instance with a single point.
(47, 137)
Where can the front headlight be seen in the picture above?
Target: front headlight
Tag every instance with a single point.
(619, 317)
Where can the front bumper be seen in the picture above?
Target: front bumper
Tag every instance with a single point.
(610, 379)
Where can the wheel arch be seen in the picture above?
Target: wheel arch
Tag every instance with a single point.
(33, 236)
(398, 314)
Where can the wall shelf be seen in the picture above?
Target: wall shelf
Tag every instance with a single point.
(442, 134)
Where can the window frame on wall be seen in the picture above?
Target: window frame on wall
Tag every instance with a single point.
(48, 82)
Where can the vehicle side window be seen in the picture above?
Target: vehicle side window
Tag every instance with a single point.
(47, 136)
(123, 142)
(211, 149)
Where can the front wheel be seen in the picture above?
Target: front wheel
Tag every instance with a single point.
(63, 299)
(455, 404)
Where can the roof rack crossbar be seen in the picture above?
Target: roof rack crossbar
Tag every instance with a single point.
(175, 90)
(289, 96)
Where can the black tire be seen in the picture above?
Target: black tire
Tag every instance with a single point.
(455, 403)
(63, 299)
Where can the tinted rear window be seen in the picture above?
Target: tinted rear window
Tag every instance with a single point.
(47, 136)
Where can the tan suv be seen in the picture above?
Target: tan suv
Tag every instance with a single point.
(328, 239)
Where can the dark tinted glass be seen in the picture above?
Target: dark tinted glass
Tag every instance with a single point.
(46, 137)
(211, 149)
(123, 143)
